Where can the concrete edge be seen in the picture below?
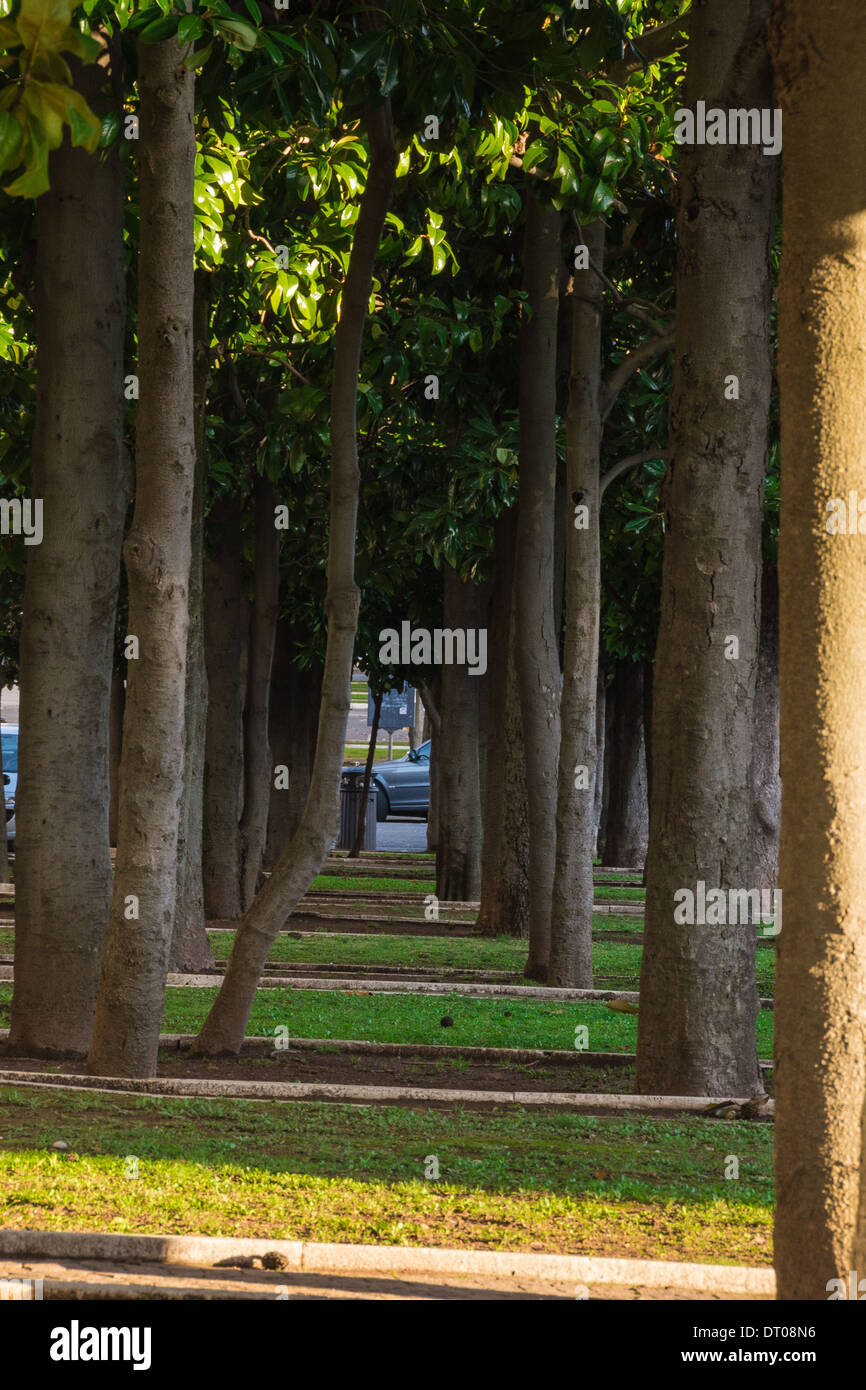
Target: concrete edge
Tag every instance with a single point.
(363, 1046)
(203, 1088)
(314, 1257)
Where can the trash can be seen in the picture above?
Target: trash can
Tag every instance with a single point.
(351, 796)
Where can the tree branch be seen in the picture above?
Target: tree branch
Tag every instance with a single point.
(656, 43)
(631, 363)
(623, 465)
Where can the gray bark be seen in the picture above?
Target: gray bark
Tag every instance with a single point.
(537, 644)
(627, 825)
(81, 473)
(696, 1031)
(157, 552)
(458, 863)
(223, 766)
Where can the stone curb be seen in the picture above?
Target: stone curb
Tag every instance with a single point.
(366, 1095)
(360, 985)
(436, 1051)
(312, 1257)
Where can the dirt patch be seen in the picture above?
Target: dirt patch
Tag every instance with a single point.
(343, 1069)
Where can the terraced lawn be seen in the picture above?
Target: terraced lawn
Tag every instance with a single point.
(563, 1183)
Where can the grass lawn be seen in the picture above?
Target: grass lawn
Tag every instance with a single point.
(353, 882)
(417, 1019)
(573, 1184)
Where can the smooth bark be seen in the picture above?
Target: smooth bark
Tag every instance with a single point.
(258, 766)
(81, 474)
(504, 909)
(627, 823)
(190, 947)
(571, 917)
(223, 766)
(820, 1045)
(698, 1006)
(458, 861)
(225, 1026)
(157, 553)
(537, 643)
(766, 782)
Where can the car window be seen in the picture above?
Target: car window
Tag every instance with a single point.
(424, 751)
(10, 751)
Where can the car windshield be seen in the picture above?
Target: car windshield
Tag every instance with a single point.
(424, 750)
(10, 750)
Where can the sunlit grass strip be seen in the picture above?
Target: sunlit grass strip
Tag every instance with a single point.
(572, 1184)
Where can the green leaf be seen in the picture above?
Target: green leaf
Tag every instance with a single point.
(254, 11)
(238, 32)
(11, 140)
(163, 28)
(191, 27)
(362, 56)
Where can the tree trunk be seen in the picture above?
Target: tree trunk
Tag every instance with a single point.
(223, 762)
(601, 774)
(81, 473)
(355, 851)
(571, 918)
(766, 784)
(117, 704)
(432, 714)
(190, 948)
(224, 1028)
(258, 768)
(536, 643)
(282, 718)
(820, 1053)
(698, 1004)
(157, 553)
(4, 847)
(458, 862)
(504, 907)
(627, 826)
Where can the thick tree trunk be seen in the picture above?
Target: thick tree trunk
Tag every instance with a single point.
(225, 1026)
(698, 1000)
(571, 918)
(223, 750)
(157, 553)
(766, 783)
(190, 948)
(627, 825)
(536, 643)
(258, 767)
(820, 1053)
(504, 907)
(431, 712)
(458, 862)
(81, 473)
(117, 704)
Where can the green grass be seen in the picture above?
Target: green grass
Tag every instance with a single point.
(417, 1019)
(352, 882)
(636, 1187)
(357, 752)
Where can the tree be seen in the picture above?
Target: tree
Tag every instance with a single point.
(81, 475)
(696, 1033)
(223, 1030)
(536, 645)
(158, 556)
(819, 1055)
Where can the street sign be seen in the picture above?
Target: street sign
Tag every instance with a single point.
(398, 709)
